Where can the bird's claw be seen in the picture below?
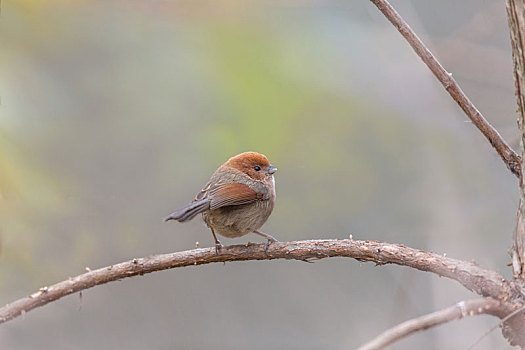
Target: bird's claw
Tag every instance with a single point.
(218, 246)
(268, 242)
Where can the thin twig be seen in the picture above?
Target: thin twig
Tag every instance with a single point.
(503, 320)
(511, 158)
(455, 312)
(481, 281)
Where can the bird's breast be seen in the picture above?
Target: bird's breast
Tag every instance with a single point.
(238, 220)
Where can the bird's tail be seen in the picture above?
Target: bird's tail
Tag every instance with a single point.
(190, 211)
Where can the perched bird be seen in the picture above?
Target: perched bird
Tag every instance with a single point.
(237, 200)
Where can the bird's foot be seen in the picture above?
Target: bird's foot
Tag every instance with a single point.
(218, 247)
(268, 237)
(268, 242)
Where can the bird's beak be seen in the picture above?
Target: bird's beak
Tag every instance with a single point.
(272, 170)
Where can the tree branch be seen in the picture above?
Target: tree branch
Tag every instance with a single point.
(514, 329)
(503, 323)
(483, 282)
(516, 18)
(511, 158)
(455, 312)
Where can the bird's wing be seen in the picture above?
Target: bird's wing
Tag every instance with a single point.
(203, 193)
(214, 196)
(232, 193)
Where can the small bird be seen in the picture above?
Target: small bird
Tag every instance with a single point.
(237, 200)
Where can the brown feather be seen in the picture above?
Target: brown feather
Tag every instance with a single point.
(203, 193)
(233, 193)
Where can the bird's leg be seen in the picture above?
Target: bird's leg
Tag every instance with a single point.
(268, 237)
(218, 244)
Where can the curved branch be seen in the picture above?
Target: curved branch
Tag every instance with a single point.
(455, 312)
(483, 282)
(511, 158)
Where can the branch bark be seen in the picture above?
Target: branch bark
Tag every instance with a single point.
(516, 18)
(481, 281)
(509, 157)
(455, 312)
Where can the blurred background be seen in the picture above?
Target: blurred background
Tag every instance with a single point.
(115, 113)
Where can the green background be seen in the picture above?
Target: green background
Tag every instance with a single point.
(115, 113)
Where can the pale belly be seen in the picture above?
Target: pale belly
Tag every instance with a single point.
(237, 221)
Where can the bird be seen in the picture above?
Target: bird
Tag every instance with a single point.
(237, 200)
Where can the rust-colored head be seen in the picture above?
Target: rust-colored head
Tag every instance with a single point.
(253, 164)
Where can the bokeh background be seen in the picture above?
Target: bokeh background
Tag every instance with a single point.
(114, 113)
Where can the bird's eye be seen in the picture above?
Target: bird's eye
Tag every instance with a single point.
(257, 168)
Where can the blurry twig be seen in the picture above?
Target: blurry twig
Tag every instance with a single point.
(501, 323)
(516, 19)
(481, 281)
(511, 158)
(455, 312)
(514, 328)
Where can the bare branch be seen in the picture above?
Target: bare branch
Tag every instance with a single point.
(517, 251)
(483, 282)
(500, 324)
(511, 158)
(455, 312)
(516, 18)
(513, 329)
